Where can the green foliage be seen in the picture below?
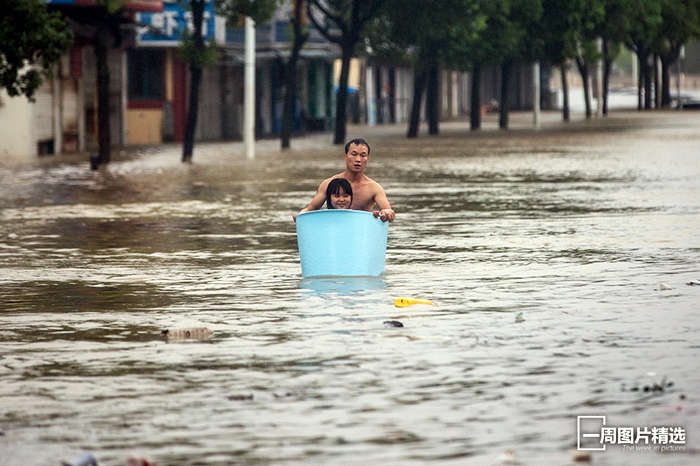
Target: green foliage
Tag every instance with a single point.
(235, 10)
(437, 35)
(32, 39)
(680, 22)
(112, 6)
(190, 53)
(645, 20)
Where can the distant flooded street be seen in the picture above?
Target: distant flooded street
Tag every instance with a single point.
(558, 259)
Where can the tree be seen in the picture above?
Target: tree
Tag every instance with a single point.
(32, 39)
(680, 23)
(195, 54)
(300, 33)
(342, 22)
(519, 42)
(645, 20)
(559, 26)
(485, 49)
(102, 24)
(589, 16)
(426, 42)
(612, 31)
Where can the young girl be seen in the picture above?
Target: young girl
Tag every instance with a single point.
(339, 194)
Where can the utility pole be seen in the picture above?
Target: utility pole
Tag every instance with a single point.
(249, 90)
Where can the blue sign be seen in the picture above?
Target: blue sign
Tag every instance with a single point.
(168, 27)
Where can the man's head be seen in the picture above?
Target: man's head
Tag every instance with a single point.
(357, 142)
(356, 155)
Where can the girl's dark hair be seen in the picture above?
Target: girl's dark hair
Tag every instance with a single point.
(334, 188)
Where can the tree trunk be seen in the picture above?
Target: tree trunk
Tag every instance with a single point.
(419, 79)
(565, 110)
(666, 62)
(475, 107)
(341, 103)
(647, 84)
(504, 106)
(657, 83)
(607, 65)
(640, 80)
(432, 99)
(378, 93)
(392, 95)
(104, 137)
(290, 85)
(195, 79)
(290, 75)
(583, 70)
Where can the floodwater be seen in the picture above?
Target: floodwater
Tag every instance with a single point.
(558, 261)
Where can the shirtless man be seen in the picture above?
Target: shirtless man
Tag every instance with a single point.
(366, 191)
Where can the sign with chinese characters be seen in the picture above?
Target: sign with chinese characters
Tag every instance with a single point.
(595, 435)
(133, 5)
(167, 28)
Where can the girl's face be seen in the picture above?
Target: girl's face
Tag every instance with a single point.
(342, 200)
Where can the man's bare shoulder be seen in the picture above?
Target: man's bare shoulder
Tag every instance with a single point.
(373, 184)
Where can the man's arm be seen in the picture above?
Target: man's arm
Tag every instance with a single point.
(317, 201)
(386, 212)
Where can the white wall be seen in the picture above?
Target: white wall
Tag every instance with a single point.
(16, 141)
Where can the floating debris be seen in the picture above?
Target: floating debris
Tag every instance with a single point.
(242, 397)
(665, 287)
(653, 387)
(508, 457)
(392, 323)
(140, 462)
(580, 456)
(85, 460)
(693, 283)
(519, 317)
(405, 302)
(200, 333)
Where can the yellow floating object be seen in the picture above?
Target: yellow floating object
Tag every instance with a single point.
(405, 302)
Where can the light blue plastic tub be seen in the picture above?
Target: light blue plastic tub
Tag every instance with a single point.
(341, 243)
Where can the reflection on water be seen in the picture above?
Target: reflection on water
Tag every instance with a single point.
(574, 231)
(343, 285)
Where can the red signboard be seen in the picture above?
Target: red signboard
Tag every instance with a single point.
(145, 5)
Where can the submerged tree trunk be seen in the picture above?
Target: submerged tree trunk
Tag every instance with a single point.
(195, 79)
(104, 136)
(666, 63)
(431, 101)
(290, 75)
(583, 70)
(342, 102)
(290, 84)
(640, 81)
(657, 83)
(607, 67)
(392, 95)
(378, 93)
(647, 84)
(565, 110)
(504, 105)
(475, 107)
(419, 79)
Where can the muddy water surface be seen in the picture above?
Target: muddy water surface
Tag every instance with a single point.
(558, 260)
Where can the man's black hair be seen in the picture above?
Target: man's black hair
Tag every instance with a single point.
(357, 142)
(334, 188)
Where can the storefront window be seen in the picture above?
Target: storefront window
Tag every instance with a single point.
(146, 74)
